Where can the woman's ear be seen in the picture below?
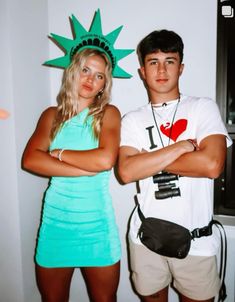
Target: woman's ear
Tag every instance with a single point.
(100, 93)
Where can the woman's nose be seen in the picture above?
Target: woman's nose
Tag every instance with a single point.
(90, 78)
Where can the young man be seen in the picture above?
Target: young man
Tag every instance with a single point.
(172, 135)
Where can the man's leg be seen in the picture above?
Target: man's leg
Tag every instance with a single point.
(161, 296)
(186, 299)
(195, 278)
(150, 273)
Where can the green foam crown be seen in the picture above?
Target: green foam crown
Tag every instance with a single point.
(93, 38)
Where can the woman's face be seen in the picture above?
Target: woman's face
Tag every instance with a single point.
(91, 78)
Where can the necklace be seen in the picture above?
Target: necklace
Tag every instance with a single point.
(173, 118)
(164, 111)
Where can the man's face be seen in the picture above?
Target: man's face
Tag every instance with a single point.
(161, 72)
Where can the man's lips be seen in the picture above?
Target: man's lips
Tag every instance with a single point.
(162, 81)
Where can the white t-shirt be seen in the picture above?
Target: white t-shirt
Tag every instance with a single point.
(193, 118)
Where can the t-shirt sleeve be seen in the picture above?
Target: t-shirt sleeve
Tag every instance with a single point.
(130, 135)
(210, 121)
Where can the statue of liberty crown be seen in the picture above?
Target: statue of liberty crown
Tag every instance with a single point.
(93, 38)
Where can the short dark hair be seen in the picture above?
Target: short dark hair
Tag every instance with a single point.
(160, 40)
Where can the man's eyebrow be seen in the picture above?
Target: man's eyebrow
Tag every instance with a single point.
(171, 58)
(152, 59)
(167, 58)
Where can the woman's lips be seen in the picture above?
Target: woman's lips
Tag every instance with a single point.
(87, 87)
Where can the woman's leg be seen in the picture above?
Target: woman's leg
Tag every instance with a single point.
(54, 283)
(102, 282)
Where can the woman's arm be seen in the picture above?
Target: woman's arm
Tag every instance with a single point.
(36, 158)
(104, 157)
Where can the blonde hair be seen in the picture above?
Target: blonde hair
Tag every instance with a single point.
(67, 98)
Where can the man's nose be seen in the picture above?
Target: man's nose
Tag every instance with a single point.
(161, 67)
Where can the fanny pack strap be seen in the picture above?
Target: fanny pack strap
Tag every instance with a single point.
(207, 231)
(223, 260)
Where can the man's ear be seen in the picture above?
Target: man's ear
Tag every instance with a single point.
(181, 68)
(142, 72)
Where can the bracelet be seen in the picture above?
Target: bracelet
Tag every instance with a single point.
(193, 143)
(60, 154)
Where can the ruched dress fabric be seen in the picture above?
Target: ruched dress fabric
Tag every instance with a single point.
(78, 227)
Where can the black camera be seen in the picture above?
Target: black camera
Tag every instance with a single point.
(166, 188)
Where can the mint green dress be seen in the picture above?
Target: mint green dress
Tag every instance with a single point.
(78, 227)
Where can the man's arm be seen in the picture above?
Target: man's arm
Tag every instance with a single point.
(208, 161)
(134, 165)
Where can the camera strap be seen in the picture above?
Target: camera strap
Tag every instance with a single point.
(172, 122)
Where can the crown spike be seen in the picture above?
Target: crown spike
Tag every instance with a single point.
(96, 26)
(112, 37)
(61, 62)
(121, 73)
(78, 28)
(63, 42)
(122, 53)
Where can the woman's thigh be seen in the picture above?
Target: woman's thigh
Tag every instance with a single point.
(54, 283)
(102, 282)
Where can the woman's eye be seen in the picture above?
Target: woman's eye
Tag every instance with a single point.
(84, 70)
(100, 76)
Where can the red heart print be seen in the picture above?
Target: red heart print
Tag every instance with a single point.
(175, 130)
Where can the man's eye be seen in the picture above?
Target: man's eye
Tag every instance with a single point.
(170, 62)
(153, 62)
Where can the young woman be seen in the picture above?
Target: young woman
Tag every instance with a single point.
(76, 144)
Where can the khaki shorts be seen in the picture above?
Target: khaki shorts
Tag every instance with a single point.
(195, 277)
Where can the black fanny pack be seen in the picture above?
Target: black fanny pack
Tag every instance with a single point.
(167, 238)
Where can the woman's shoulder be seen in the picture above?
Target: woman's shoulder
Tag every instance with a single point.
(48, 115)
(111, 110)
(49, 112)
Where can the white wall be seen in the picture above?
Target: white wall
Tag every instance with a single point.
(28, 88)
(24, 93)
(10, 245)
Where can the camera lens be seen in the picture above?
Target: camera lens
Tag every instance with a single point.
(164, 177)
(166, 186)
(162, 194)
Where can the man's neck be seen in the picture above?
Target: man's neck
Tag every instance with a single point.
(161, 99)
